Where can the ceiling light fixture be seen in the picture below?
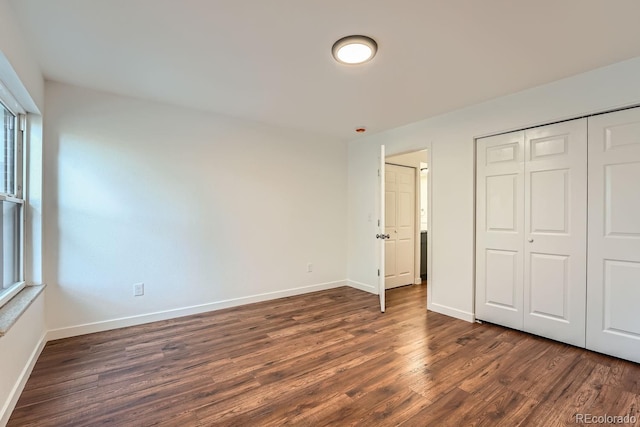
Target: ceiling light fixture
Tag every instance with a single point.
(354, 49)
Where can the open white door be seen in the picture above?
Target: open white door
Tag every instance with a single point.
(381, 236)
(399, 222)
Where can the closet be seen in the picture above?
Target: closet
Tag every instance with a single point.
(532, 230)
(535, 191)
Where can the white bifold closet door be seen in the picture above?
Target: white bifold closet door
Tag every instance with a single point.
(500, 229)
(555, 254)
(613, 310)
(531, 230)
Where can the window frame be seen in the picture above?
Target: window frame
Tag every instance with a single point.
(18, 196)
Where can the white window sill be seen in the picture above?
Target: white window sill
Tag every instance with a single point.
(12, 310)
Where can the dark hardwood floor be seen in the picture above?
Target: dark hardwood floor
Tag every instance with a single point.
(327, 358)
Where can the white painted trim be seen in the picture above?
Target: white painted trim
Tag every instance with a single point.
(123, 322)
(474, 265)
(430, 276)
(11, 402)
(7, 98)
(417, 228)
(363, 287)
(452, 312)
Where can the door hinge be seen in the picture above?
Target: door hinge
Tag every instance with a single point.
(378, 172)
(378, 272)
(378, 223)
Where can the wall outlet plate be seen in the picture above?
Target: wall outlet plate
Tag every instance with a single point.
(138, 289)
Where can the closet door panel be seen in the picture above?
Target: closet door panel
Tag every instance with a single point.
(555, 231)
(499, 229)
(613, 284)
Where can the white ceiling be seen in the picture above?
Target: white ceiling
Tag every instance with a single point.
(270, 60)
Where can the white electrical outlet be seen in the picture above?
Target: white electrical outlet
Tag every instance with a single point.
(309, 268)
(138, 289)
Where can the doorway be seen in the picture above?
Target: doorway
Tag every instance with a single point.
(406, 219)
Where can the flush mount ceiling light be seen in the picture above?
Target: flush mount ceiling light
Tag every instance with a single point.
(354, 49)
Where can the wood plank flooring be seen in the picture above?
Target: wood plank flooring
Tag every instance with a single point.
(326, 358)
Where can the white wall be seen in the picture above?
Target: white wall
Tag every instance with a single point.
(22, 344)
(18, 68)
(34, 196)
(206, 211)
(451, 139)
(19, 350)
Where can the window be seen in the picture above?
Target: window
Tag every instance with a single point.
(11, 197)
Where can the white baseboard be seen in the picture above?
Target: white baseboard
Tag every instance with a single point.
(16, 391)
(89, 328)
(452, 312)
(363, 286)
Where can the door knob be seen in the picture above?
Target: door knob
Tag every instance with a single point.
(530, 240)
